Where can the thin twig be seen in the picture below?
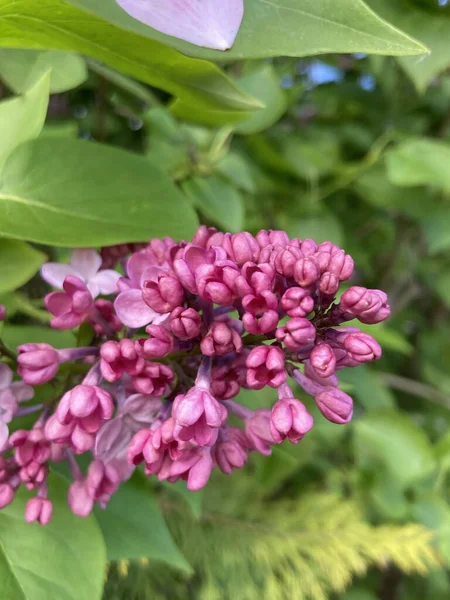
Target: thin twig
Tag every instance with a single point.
(415, 388)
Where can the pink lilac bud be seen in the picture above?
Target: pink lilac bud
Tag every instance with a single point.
(323, 360)
(261, 312)
(231, 451)
(118, 358)
(297, 302)
(6, 495)
(185, 323)
(102, 481)
(362, 347)
(159, 344)
(154, 379)
(298, 333)
(194, 466)
(40, 510)
(369, 306)
(221, 339)
(188, 259)
(289, 418)
(329, 284)
(255, 279)
(335, 405)
(240, 247)
(308, 247)
(164, 293)
(105, 309)
(79, 499)
(226, 380)
(37, 363)
(71, 307)
(306, 271)
(275, 237)
(202, 235)
(286, 259)
(32, 451)
(341, 265)
(198, 416)
(257, 430)
(310, 373)
(216, 283)
(265, 366)
(2, 313)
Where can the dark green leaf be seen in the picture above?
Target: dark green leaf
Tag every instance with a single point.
(14, 335)
(18, 263)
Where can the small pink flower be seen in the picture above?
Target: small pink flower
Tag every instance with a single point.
(297, 302)
(335, 405)
(185, 323)
(323, 360)
(37, 363)
(40, 510)
(289, 418)
(221, 339)
(154, 379)
(118, 358)
(257, 430)
(194, 466)
(231, 451)
(71, 307)
(369, 306)
(297, 333)
(265, 366)
(160, 343)
(11, 394)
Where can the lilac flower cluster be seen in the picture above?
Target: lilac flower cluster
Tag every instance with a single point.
(189, 325)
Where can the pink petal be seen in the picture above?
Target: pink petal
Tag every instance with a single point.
(21, 391)
(55, 273)
(106, 281)
(4, 434)
(6, 376)
(86, 262)
(132, 310)
(210, 23)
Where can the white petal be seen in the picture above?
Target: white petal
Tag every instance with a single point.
(210, 23)
(6, 376)
(106, 281)
(86, 261)
(55, 273)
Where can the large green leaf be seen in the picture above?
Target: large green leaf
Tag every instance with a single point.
(391, 439)
(432, 29)
(65, 560)
(78, 193)
(437, 229)
(20, 69)
(287, 28)
(22, 119)
(18, 263)
(218, 200)
(56, 24)
(14, 335)
(420, 162)
(134, 527)
(371, 392)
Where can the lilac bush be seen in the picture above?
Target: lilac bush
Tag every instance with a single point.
(174, 341)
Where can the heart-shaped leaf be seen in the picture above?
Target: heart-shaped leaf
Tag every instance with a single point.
(210, 23)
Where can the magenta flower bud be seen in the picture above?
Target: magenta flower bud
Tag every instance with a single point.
(195, 466)
(202, 235)
(329, 284)
(255, 279)
(290, 420)
(335, 405)
(40, 510)
(306, 271)
(308, 247)
(221, 339)
(257, 325)
(286, 259)
(331, 381)
(226, 380)
(154, 379)
(265, 366)
(369, 306)
(71, 307)
(362, 347)
(102, 481)
(185, 323)
(164, 294)
(265, 238)
(323, 360)
(231, 452)
(6, 494)
(37, 363)
(216, 283)
(240, 247)
(187, 261)
(79, 499)
(198, 416)
(118, 358)
(298, 333)
(341, 265)
(137, 445)
(297, 302)
(160, 344)
(2, 313)
(257, 430)
(105, 309)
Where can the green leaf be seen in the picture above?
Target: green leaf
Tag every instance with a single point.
(134, 527)
(287, 28)
(320, 228)
(61, 26)
(22, 119)
(217, 200)
(392, 439)
(371, 392)
(15, 335)
(18, 263)
(65, 560)
(237, 169)
(77, 193)
(437, 229)
(434, 513)
(420, 162)
(432, 29)
(388, 497)
(388, 338)
(20, 69)
(193, 499)
(263, 84)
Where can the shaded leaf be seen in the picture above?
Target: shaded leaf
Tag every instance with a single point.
(18, 263)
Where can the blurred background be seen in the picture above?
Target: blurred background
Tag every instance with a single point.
(350, 148)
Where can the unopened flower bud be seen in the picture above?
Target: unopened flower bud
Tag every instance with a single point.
(221, 339)
(40, 510)
(265, 366)
(323, 360)
(185, 323)
(362, 347)
(297, 333)
(290, 420)
(37, 363)
(306, 271)
(160, 344)
(297, 302)
(335, 405)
